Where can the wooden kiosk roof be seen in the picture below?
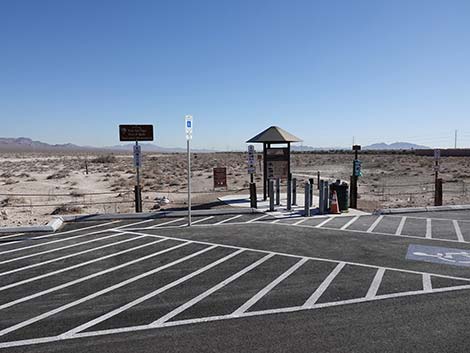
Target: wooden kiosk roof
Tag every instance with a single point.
(274, 134)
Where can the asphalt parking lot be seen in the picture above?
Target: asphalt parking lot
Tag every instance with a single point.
(240, 283)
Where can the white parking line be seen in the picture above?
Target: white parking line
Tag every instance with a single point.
(165, 223)
(99, 293)
(354, 219)
(458, 232)
(275, 221)
(374, 287)
(257, 218)
(400, 226)
(148, 296)
(268, 288)
(208, 292)
(202, 220)
(309, 257)
(299, 222)
(324, 222)
(93, 275)
(228, 220)
(49, 242)
(325, 284)
(32, 279)
(56, 249)
(428, 228)
(427, 285)
(375, 224)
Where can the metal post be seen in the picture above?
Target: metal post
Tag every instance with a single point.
(321, 197)
(318, 180)
(310, 180)
(137, 189)
(271, 194)
(278, 191)
(294, 191)
(438, 193)
(253, 197)
(289, 192)
(307, 200)
(189, 181)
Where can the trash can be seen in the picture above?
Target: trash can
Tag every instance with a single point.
(342, 191)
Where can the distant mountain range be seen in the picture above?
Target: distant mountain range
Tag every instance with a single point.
(28, 145)
(24, 144)
(395, 146)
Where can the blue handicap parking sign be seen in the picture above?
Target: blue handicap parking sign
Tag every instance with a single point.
(188, 123)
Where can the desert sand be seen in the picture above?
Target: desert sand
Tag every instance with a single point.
(34, 186)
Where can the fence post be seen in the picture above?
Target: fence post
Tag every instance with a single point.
(311, 191)
(138, 198)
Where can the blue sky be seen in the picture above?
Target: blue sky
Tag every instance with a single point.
(71, 71)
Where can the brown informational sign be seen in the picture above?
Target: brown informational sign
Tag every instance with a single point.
(277, 163)
(220, 177)
(136, 132)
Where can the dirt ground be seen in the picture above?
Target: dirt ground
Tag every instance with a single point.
(33, 186)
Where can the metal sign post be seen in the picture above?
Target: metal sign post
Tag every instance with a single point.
(251, 171)
(354, 177)
(437, 181)
(137, 165)
(136, 133)
(188, 123)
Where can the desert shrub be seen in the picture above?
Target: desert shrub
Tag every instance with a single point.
(76, 193)
(67, 209)
(108, 158)
(59, 175)
(6, 175)
(11, 181)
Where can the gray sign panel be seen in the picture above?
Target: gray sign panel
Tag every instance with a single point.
(448, 256)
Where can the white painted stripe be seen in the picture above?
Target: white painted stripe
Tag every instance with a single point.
(148, 296)
(228, 220)
(32, 279)
(427, 285)
(324, 222)
(59, 233)
(378, 233)
(10, 236)
(99, 293)
(311, 258)
(322, 288)
(202, 220)
(428, 228)
(351, 221)
(99, 333)
(400, 226)
(94, 275)
(374, 287)
(257, 218)
(134, 224)
(37, 264)
(208, 292)
(299, 222)
(458, 232)
(165, 223)
(375, 224)
(49, 242)
(275, 221)
(56, 249)
(268, 288)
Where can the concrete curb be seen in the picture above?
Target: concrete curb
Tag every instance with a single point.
(52, 226)
(58, 221)
(160, 214)
(422, 209)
